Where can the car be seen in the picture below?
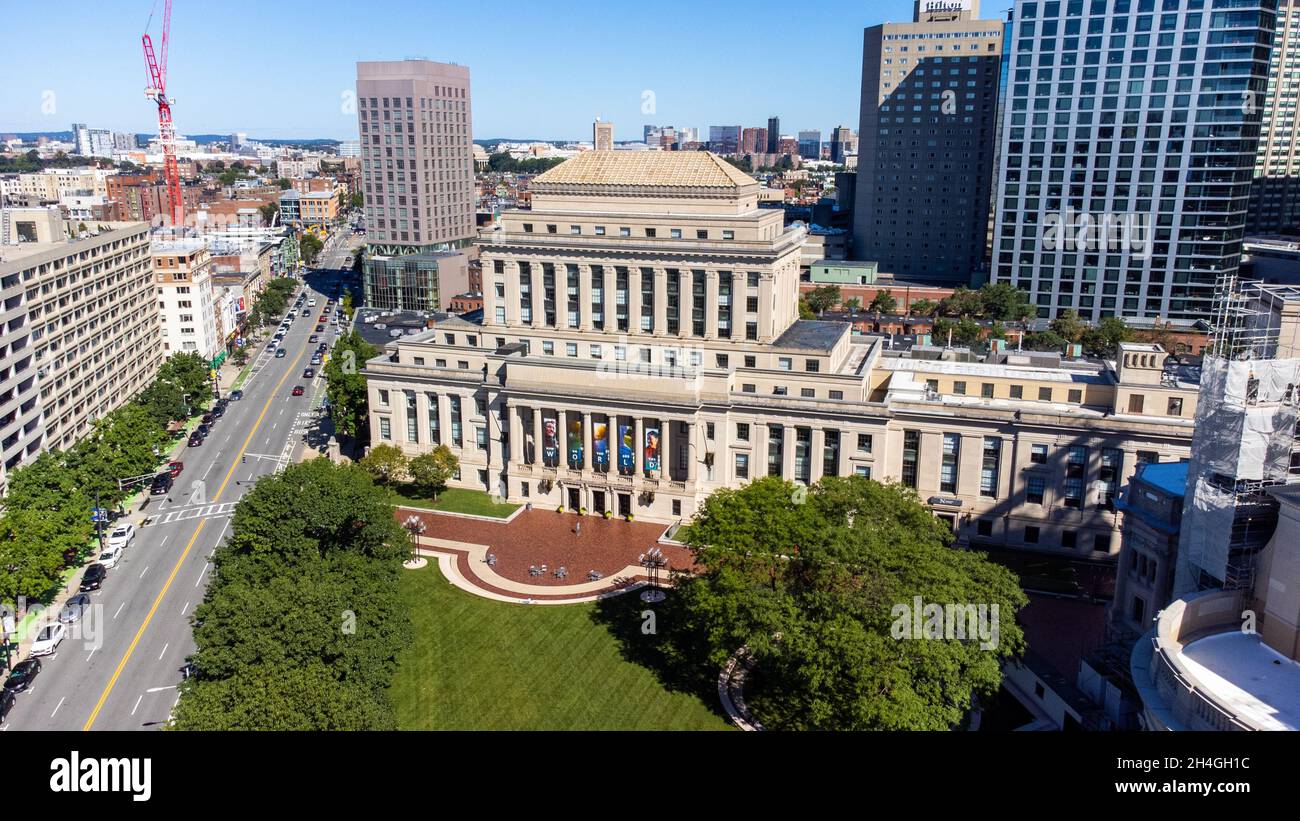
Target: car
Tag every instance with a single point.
(298, 390)
(162, 484)
(325, 317)
(122, 536)
(208, 419)
(316, 360)
(175, 468)
(203, 430)
(235, 396)
(320, 327)
(75, 608)
(196, 439)
(110, 557)
(47, 641)
(280, 353)
(20, 678)
(7, 699)
(219, 409)
(306, 311)
(308, 373)
(313, 338)
(93, 578)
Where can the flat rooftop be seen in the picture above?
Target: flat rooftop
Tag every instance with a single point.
(1248, 677)
(951, 368)
(811, 335)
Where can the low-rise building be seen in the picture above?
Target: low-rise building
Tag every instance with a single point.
(188, 309)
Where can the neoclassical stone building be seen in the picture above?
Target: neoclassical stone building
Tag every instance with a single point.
(640, 349)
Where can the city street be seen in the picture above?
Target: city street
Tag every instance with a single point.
(126, 677)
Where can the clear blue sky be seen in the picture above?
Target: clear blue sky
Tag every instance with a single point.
(279, 68)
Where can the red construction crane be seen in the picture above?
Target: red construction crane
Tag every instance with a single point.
(157, 91)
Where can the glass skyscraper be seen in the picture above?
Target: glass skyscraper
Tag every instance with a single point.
(1128, 145)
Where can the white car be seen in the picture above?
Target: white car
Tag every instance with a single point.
(47, 641)
(122, 536)
(110, 557)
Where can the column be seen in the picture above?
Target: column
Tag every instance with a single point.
(686, 301)
(586, 440)
(612, 433)
(787, 452)
(512, 292)
(562, 438)
(633, 300)
(692, 456)
(537, 436)
(765, 332)
(739, 303)
(516, 434)
(611, 298)
(539, 311)
(584, 297)
(444, 421)
(665, 440)
(638, 445)
(661, 302)
(711, 305)
(818, 454)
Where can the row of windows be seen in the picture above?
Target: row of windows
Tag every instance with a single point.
(625, 231)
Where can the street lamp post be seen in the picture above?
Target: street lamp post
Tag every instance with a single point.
(415, 527)
(653, 561)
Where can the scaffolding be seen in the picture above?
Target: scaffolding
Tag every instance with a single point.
(1245, 434)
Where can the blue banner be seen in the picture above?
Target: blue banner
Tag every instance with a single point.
(550, 442)
(600, 444)
(625, 455)
(575, 443)
(652, 448)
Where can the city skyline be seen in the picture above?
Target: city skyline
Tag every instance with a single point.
(556, 98)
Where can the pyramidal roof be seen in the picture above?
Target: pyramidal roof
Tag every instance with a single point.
(657, 169)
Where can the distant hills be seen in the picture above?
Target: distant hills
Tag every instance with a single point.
(202, 139)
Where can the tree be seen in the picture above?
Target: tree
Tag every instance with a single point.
(883, 303)
(814, 591)
(358, 200)
(269, 211)
(386, 464)
(805, 312)
(965, 332)
(346, 388)
(924, 307)
(1005, 302)
(33, 551)
(309, 248)
(1104, 339)
(302, 624)
(430, 472)
(283, 184)
(823, 298)
(1068, 326)
(962, 303)
(853, 304)
(1044, 341)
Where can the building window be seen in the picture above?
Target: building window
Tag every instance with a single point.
(571, 348)
(959, 388)
(1038, 454)
(1069, 539)
(831, 453)
(775, 449)
(1044, 394)
(784, 363)
(984, 527)
(864, 442)
(986, 390)
(1031, 535)
(1075, 469)
(1075, 397)
(1035, 486)
(989, 469)
(1017, 391)
(742, 431)
(1112, 462)
(911, 456)
(948, 465)
(385, 429)
(1175, 406)
(742, 466)
(1135, 403)
(1101, 543)
(863, 470)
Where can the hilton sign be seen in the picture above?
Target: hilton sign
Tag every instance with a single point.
(945, 6)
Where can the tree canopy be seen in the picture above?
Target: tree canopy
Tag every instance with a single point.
(346, 388)
(812, 586)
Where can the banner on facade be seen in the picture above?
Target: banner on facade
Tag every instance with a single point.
(652, 448)
(600, 444)
(575, 443)
(550, 441)
(625, 456)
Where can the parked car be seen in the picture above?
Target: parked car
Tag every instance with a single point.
(208, 419)
(175, 467)
(75, 608)
(20, 678)
(308, 373)
(320, 327)
(7, 699)
(93, 578)
(235, 396)
(298, 390)
(313, 338)
(110, 557)
(306, 311)
(162, 484)
(47, 641)
(219, 409)
(203, 430)
(122, 536)
(316, 360)
(196, 439)
(280, 353)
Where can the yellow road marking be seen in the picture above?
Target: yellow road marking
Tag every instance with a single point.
(112, 682)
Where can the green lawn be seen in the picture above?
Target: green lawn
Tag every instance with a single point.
(454, 500)
(478, 664)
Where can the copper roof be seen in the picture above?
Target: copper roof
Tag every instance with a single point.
(658, 169)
